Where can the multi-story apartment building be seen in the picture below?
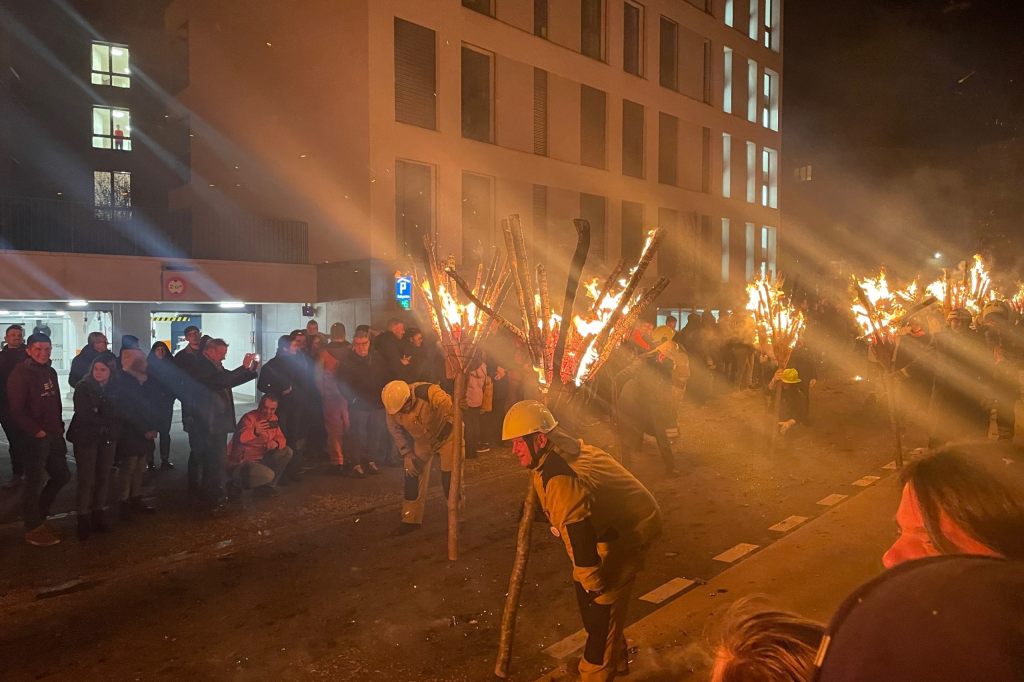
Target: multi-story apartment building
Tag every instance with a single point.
(374, 121)
(93, 142)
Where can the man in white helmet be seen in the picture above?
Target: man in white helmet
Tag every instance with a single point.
(606, 518)
(419, 418)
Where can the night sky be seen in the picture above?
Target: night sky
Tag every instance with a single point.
(903, 73)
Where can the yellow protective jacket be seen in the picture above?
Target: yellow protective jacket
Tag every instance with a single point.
(424, 429)
(606, 518)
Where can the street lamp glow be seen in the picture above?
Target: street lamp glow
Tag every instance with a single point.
(78, 303)
(937, 255)
(232, 305)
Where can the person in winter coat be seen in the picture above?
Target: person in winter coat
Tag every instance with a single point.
(259, 451)
(362, 379)
(187, 362)
(605, 517)
(12, 355)
(644, 404)
(96, 345)
(34, 397)
(477, 382)
(288, 378)
(163, 374)
(135, 397)
(214, 415)
(95, 430)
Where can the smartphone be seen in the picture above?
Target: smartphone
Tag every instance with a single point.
(273, 423)
(255, 357)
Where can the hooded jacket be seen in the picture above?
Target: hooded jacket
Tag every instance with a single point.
(96, 419)
(9, 359)
(605, 517)
(83, 361)
(34, 398)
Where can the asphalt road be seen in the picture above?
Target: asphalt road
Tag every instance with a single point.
(312, 586)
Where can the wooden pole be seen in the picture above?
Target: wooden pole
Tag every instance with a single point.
(515, 583)
(518, 576)
(455, 487)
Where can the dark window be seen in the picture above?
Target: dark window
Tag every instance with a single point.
(477, 217)
(540, 18)
(707, 72)
(632, 139)
(668, 51)
(668, 149)
(632, 40)
(414, 205)
(540, 112)
(591, 28)
(415, 75)
(481, 6)
(476, 95)
(632, 230)
(594, 210)
(668, 253)
(592, 126)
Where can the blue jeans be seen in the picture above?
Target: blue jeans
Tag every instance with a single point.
(47, 454)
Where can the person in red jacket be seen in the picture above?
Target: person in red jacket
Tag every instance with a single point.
(258, 453)
(34, 398)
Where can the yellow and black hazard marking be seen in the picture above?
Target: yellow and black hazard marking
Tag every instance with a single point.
(172, 318)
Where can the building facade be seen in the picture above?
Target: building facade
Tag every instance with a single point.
(93, 143)
(375, 122)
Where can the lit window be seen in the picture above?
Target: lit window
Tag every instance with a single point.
(110, 65)
(111, 128)
(769, 178)
(725, 250)
(770, 103)
(112, 195)
(768, 25)
(749, 265)
(729, 20)
(753, 26)
(751, 171)
(726, 165)
(803, 174)
(751, 91)
(727, 81)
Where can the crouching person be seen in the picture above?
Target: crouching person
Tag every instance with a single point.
(258, 453)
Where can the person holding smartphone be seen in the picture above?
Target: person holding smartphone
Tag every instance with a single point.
(259, 452)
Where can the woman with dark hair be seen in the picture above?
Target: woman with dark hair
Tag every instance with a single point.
(952, 504)
(164, 375)
(94, 432)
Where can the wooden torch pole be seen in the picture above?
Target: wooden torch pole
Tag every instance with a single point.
(455, 486)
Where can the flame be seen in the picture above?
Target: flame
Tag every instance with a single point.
(937, 289)
(596, 320)
(883, 315)
(777, 324)
(456, 315)
(1017, 301)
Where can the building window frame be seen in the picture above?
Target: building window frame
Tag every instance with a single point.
(471, 129)
(593, 12)
(633, 156)
(633, 63)
(668, 53)
(104, 128)
(112, 195)
(102, 59)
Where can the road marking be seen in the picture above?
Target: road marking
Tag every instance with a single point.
(865, 481)
(788, 524)
(834, 498)
(568, 646)
(667, 591)
(732, 554)
(891, 466)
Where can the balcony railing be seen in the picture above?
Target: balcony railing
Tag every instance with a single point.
(35, 224)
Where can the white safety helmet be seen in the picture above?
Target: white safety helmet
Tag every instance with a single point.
(525, 417)
(395, 395)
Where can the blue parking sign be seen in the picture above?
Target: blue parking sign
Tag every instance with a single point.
(403, 290)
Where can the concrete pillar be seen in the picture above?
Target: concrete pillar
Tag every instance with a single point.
(131, 318)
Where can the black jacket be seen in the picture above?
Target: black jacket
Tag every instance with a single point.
(96, 419)
(295, 408)
(165, 377)
(34, 398)
(9, 359)
(388, 348)
(213, 408)
(83, 362)
(136, 402)
(362, 380)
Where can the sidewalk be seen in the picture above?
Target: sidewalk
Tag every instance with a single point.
(809, 571)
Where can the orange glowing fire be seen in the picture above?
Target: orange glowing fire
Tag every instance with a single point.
(777, 324)
(878, 311)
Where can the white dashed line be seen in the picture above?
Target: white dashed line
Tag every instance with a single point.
(568, 646)
(866, 481)
(738, 552)
(668, 590)
(834, 498)
(788, 524)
